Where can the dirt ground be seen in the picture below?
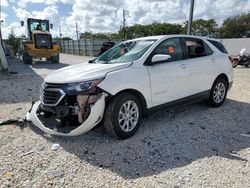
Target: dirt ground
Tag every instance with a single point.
(190, 146)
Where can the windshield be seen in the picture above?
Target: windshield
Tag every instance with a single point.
(35, 25)
(125, 52)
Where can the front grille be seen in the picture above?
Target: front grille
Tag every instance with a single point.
(43, 40)
(51, 94)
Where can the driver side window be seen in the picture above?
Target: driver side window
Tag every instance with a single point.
(170, 47)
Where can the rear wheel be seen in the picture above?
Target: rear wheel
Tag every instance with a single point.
(218, 92)
(123, 116)
(27, 58)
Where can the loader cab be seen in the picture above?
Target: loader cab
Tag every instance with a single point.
(37, 24)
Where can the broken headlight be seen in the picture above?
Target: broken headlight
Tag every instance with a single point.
(82, 86)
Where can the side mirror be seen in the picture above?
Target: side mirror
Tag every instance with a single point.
(51, 26)
(160, 58)
(22, 23)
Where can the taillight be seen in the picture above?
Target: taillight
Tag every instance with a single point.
(230, 58)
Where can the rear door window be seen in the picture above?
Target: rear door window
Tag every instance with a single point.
(197, 48)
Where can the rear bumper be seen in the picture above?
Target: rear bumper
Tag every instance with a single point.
(96, 114)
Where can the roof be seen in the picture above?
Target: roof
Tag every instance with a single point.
(175, 35)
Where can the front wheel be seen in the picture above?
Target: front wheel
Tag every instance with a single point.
(27, 58)
(55, 59)
(218, 92)
(123, 116)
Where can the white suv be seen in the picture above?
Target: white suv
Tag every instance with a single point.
(126, 82)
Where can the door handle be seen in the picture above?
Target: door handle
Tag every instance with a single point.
(213, 60)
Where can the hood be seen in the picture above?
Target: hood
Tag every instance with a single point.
(83, 72)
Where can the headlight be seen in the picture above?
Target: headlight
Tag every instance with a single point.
(82, 86)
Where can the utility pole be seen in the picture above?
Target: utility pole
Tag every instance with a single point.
(189, 31)
(77, 36)
(60, 36)
(60, 32)
(77, 33)
(124, 23)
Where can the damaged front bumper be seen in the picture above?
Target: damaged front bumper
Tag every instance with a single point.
(95, 116)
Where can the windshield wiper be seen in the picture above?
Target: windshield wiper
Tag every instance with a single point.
(92, 60)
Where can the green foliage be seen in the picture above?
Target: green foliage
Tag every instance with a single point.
(57, 39)
(14, 41)
(235, 27)
(202, 27)
(138, 30)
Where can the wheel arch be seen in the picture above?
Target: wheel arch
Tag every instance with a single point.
(139, 95)
(224, 76)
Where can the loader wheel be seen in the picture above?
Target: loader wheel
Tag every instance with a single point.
(27, 58)
(55, 59)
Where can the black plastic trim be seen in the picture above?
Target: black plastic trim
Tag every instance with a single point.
(180, 102)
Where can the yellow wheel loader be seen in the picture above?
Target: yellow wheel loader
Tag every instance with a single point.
(39, 43)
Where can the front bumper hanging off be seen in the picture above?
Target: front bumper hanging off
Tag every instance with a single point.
(95, 116)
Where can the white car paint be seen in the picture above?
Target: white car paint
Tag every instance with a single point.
(83, 72)
(158, 84)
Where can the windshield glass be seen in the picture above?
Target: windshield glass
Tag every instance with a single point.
(35, 25)
(125, 52)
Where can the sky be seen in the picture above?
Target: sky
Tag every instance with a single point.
(106, 15)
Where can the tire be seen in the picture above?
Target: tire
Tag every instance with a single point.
(55, 59)
(129, 121)
(48, 59)
(235, 63)
(27, 58)
(247, 65)
(218, 92)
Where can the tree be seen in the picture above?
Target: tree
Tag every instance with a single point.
(202, 27)
(138, 30)
(57, 39)
(235, 27)
(14, 41)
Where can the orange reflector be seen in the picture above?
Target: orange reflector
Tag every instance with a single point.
(171, 50)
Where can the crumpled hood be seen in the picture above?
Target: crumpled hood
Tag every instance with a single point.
(83, 72)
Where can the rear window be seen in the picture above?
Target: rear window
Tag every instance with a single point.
(219, 46)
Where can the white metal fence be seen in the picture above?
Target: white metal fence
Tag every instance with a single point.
(92, 47)
(86, 47)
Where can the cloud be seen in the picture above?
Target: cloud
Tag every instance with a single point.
(3, 17)
(4, 3)
(15, 26)
(23, 3)
(21, 13)
(106, 15)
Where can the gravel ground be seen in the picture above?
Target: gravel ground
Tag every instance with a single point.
(190, 146)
